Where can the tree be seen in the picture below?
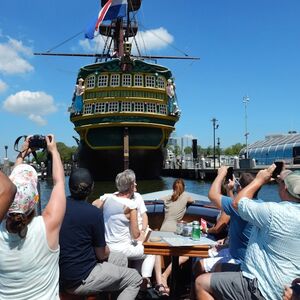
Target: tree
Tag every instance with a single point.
(234, 149)
(209, 150)
(65, 152)
(188, 150)
(177, 150)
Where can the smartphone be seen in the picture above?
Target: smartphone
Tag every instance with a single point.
(296, 289)
(229, 174)
(278, 169)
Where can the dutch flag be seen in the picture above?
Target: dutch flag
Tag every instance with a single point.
(113, 9)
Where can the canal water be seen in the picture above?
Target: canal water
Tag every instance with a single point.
(268, 192)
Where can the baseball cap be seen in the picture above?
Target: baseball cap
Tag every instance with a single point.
(25, 178)
(292, 182)
(80, 183)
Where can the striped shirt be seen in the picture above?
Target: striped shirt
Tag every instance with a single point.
(273, 255)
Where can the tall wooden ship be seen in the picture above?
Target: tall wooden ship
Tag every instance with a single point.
(127, 106)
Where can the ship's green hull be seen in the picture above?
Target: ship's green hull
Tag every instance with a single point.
(106, 164)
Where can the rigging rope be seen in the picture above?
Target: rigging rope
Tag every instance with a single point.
(106, 42)
(152, 32)
(67, 40)
(134, 39)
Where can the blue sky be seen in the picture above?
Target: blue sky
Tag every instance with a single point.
(246, 48)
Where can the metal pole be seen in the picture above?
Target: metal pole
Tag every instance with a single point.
(6, 147)
(246, 100)
(215, 126)
(219, 152)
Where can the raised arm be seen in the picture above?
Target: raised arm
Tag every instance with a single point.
(215, 193)
(25, 151)
(7, 194)
(55, 210)
(262, 177)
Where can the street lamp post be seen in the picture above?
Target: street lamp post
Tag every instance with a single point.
(215, 126)
(5, 147)
(219, 151)
(246, 100)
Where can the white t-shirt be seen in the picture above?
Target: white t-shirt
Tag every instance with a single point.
(117, 229)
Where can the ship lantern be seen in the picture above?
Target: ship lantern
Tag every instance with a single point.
(127, 48)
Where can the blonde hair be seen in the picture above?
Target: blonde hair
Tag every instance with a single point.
(178, 189)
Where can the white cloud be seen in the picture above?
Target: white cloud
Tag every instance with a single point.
(154, 39)
(12, 59)
(188, 136)
(34, 105)
(37, 119)
(19, 47)
(3, 86)
(95, 46)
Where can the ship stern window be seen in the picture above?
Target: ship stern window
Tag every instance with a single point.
(100, 107)
(125, 106)
(150, 81)
(138, 106)
(88, 109)
(151, 107)
(115, 80)
(162, 108)
(138, 80)
(90, 82)
(103, 80)
(113, 107)
(160, 82)
(126, 80)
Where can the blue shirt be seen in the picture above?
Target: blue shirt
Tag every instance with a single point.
(273, 253)
(82, 230)
(239, 230)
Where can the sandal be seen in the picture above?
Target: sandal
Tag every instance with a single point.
(161, 290)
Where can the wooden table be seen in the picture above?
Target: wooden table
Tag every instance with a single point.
(185, 247)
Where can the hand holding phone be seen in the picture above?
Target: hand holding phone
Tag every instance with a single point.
(229, 174)
(278, 169)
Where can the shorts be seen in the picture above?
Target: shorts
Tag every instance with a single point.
(222, 257)
(234, 286)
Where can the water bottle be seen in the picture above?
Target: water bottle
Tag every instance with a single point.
(196, 232)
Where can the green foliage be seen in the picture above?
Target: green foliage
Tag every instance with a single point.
(41, 156)
(177, 150)
(209, 150)
(188, 150)
(64, 151)
(234, 149)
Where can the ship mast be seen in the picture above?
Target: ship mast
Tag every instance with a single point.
(117, 47)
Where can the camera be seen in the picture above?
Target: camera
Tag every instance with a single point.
(229, 174)
(37, 142)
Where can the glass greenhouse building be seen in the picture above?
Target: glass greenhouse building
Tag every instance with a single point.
(275, 147)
